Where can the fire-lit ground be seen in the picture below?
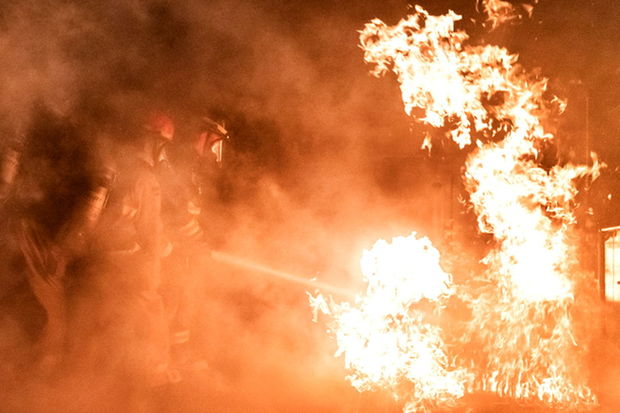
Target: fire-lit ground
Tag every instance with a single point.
(257, 335)
(259, 365)
(265, 353)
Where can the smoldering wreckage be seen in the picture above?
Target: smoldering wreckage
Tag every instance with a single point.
(187, 188)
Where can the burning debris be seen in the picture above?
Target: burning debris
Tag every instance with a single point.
(522, 305)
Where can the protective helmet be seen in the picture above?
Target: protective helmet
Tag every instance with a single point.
(211, 137)
(161, 130)
(161, 124)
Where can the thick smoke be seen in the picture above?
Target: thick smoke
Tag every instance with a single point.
(322, 162)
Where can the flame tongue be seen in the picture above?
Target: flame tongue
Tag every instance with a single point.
(388, 337)
(499, 12)
(521, 319)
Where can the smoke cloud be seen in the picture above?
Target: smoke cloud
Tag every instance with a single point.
(322, 161)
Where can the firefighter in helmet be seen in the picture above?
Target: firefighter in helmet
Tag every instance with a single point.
(126, 250)
(184, 199)
(38, 175)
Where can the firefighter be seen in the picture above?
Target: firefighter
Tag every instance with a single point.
(185, 195)
(37, 177)
(26, 250)
(124, 274)
(47, 258)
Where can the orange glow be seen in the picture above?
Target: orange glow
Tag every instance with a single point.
(522, 315)
(386, 337)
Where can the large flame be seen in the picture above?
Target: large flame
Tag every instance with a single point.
(522, 315)
(388, 336)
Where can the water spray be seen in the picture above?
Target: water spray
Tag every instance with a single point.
(263, 269)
